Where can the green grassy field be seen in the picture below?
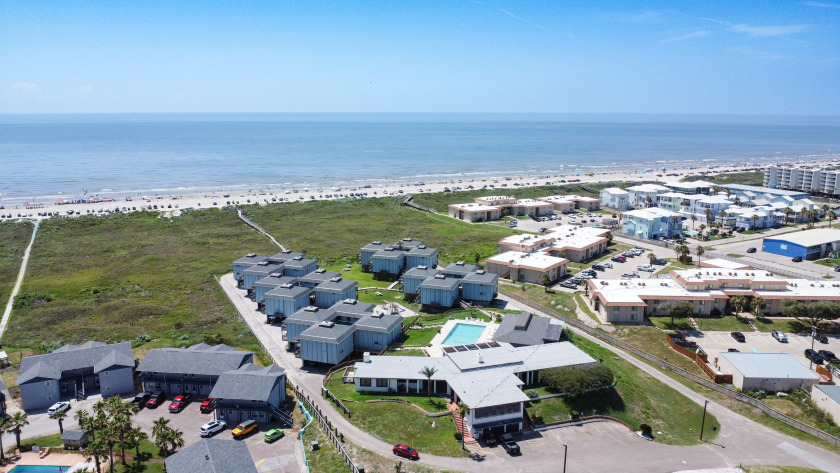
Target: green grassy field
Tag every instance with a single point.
(119, 277)
(637, 398)
(14, 238)
(654, 342)
(334, 232)
(749, 178)
(830, 262)
(664, 322)
(728, 323)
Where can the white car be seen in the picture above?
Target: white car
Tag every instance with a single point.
(58, 407)
(211, 428)
(780, 336)
(646, 267)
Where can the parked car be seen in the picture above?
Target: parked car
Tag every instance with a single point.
(179, 403)
(402, 450)
(780, 336)
(646, 267)
(619, 259)
(660, 261)
(837, 268)
(207, 405)
(734, 350)
(814, 356)
(569, 284)
(140, 399)
(821, 337)
(60, 406)
(598, 267)
(273, 435)
(797, 259)
(156, 399)
(829, 356)
(510, 445)
(607, 265)
(630, 275)
(212, 428)
(739, 337)
(751, 250)
(244, 428)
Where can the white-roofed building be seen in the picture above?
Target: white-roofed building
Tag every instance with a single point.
(577, 243)
(524, 242)
(767, 371)
(561, 203)
(531, 208)
(651, 223)
(691, 187)
(475, 212)
(496, 200)
(527, 267)
(487, 377)
(628, 301)
(645, 195)
(615, 198)
(719, 263)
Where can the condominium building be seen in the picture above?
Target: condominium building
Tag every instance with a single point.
(826, 181)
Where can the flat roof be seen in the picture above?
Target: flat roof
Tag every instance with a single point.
(476, 207)
(817, 236)
(762, 190)
(615, 191)
(648, 188)
(652, 212)
(536, 260)
(769, 365)
(446, 283)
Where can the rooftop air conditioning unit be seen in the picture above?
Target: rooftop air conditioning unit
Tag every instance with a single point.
(311, 309)
(262, 263)
(274, 275)
(286, 252)
(349, 301)
(320, 270)
(422, 266)
(389, 249)
(406, 239)
(297, 258)
(251, 255)
(326, 324)
(377, 243)
(422, 247)
(440, 276)
(286, 286)
(459, 263)
(480, 271)
(335, 279)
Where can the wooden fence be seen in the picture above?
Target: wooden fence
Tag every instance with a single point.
(702, 361)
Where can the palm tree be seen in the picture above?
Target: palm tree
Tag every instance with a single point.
(648, 201)
(428, 372)
(708, 213)
(159, 425)
(176, 440)
(651, 257)
(699, 252)
(754, 218)
(59, 416)
(693, 219)
(95, 449)
(831, 215)
(758, 305)
(682, 251)
(675, 219)
(3, 428)
(463, 411)
(738, 303)
(787, 211)
(109, 437)
(85, 421)
(16, 423)
(737, 201)
(135, 438)
(722, 214)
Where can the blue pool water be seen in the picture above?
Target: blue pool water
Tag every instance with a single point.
(463, 334)
(39, 469)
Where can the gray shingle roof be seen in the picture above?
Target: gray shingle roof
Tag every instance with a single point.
(95, 355)
(264, 270)
(526, 329)
(374, 246)
(310, 315)
(248, 383)
(388, 254)
(318, 276)
(212, 456)
(460, 270)
(424, 251)
(72, 435)
(199, 359)
(250, 259)
(287, 255)
(449, 283)
(288, 293)
(301, 263)
(336, 287)
(420, 273)
(270, 281)
(481, 278)
(382, 323)
(327, 332)
(407, 243)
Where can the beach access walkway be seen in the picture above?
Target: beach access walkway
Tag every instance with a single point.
(8, 312)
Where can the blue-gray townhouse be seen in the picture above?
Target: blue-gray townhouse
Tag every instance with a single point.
(286, 299)
(376, 331)
(246, 262)
(439, 291)
(316, 277)
(334, 291)
(266, 284)
(258, 271)
(421, 256)
(412, 279)
(388, 263)
(299, 266)
(479, 286)
(458, 269)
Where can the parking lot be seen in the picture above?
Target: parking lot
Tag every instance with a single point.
(278, 456)
(760, 257)
(715, 343)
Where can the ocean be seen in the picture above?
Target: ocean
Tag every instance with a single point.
(47, 157)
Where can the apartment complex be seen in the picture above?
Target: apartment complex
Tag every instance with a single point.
(825, 181)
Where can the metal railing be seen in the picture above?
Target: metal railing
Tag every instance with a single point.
(336, 438)
(677, 370)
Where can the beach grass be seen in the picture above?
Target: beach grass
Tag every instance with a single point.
(334, 232)
(115, 278)
(749, 178)
(441, 201)
(14, 238)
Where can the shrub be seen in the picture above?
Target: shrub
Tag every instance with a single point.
(573, 382)
(27, 299)
(647, 430)
(715, 312)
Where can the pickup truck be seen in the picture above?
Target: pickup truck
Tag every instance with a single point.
(510, 445)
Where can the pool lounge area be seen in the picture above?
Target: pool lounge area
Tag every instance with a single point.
(461, 332)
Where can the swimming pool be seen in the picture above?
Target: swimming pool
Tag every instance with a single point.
(39, 469)
(463, 334)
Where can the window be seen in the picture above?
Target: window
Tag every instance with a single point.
(635, 308)
(49, 397)
(616, 309)
(702, 302)
(107, 388)
(105, 373)
(364, 381)
(47, 382)
(381, 382)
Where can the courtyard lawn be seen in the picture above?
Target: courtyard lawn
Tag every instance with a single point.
(654, 341)
(664, 322)
(355, 273)
(394, 422)
(729, 323)
(561, 301)
(409, 352)
(418, 337)
(585, 308)
(765, 324)
(636, 399)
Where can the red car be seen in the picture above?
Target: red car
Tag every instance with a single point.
(406, 451)
(207, 405)
(180, 402)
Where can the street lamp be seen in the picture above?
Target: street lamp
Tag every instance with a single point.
(813, 337)
(703, 424)
(565, 450)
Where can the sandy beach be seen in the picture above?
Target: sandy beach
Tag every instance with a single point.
(172, 205)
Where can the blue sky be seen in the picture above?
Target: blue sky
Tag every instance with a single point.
(420, 56)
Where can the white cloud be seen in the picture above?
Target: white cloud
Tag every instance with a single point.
(822, 5)
(25, 88)
(85, 89)
(765, 31)
(691, 35)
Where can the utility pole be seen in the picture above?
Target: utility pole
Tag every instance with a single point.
(703, 424)
(565, 450)
(813, 337)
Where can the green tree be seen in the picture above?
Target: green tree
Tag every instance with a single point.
(545, 280)
(831, 215)
(682, 309)
(738, 303)
(754, 218)
(16, 423)
(4, 427)
(708, 213)
(463, 412)
(96, 448)
(428, 372)
(651, 257)
(787, 211)
(758, 306)
(135, 438)
(699, 251)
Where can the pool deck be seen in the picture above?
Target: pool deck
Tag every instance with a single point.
(52, 459)
(434, 348)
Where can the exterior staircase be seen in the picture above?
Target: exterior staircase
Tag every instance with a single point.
(453, 408)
